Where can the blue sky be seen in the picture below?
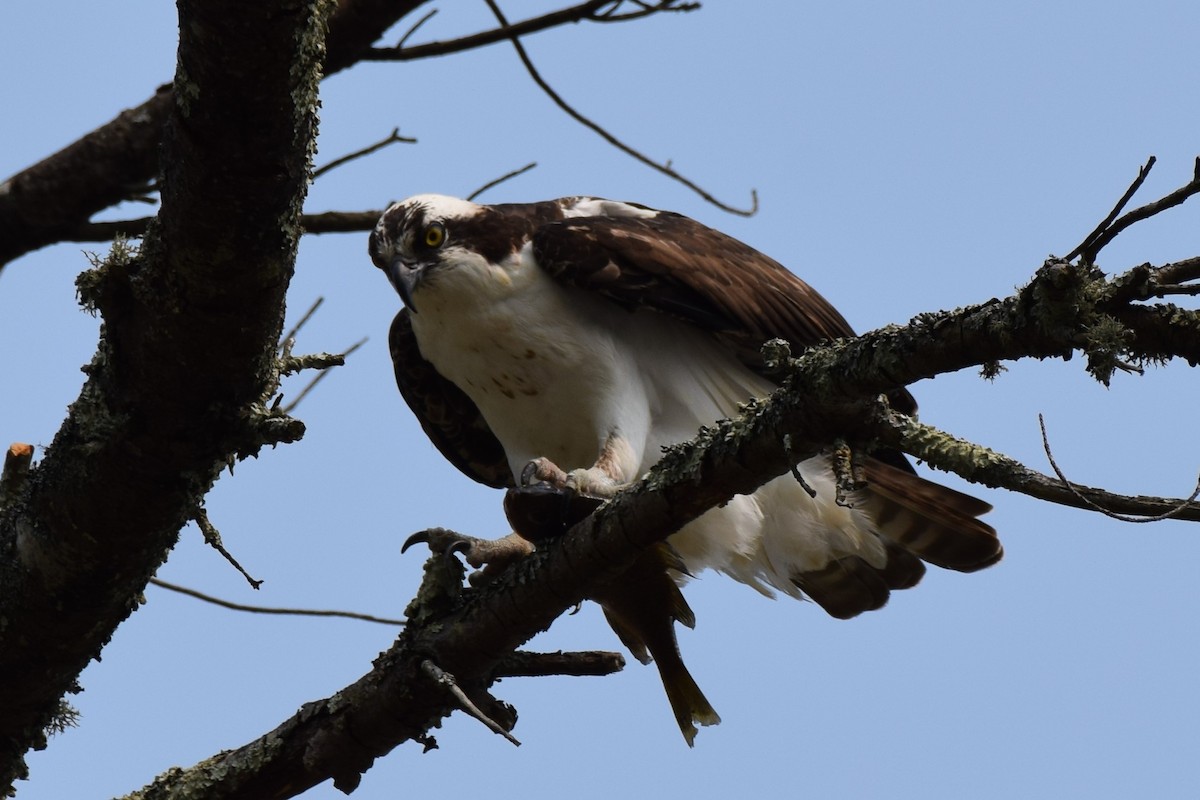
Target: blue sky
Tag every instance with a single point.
(907, 159)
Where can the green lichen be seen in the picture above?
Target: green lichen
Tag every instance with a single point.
(306, 73)
(1106, 343)
(91, 284)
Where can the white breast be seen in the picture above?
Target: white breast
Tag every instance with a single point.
(555, 370)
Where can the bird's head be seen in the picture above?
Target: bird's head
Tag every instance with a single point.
(418, 238)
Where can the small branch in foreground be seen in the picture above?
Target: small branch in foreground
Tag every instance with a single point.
(285, 341)
(415, 27)
(320, 375)
(644, 10)
(507, 176)
(979, 464)
(588, 663)
(576, 13)
(391, 138)
(446, 680)
(299, 612)
(1097, 242)
(665, 169)
(1179, 509)
(326, 222)
(213, 538)
(1094, 236)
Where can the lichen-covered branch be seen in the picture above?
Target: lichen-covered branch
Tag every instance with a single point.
(175, 389)
(980, 464)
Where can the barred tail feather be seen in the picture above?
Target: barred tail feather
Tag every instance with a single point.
(931, 521)
(916, 520)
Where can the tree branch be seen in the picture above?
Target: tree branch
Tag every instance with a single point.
(53, 200)
(523, 664)
(391, 138)
(300, 612)
(589, 10)
(49, 201)
(982, 465)
(326, 222)
(492, 184)
(177, 389)
(665, 169)
(1109, 229)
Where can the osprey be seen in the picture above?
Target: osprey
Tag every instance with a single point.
(571, 340)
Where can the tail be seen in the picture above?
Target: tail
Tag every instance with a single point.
(931, 521)
(916, 520)
(642, 605)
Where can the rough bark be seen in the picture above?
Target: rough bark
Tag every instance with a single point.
(50, 201)
(186, 358)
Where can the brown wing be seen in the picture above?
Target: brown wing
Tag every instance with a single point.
(449, 418)
(677, 266)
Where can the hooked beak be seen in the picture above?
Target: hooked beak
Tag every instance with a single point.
(405, 275)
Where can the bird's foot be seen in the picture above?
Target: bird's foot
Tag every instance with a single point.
(489, 556)
(594, 482)
(543, 470)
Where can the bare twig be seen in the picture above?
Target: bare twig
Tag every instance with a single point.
(340, 221)
(287, 340)
(524, 664)
(1084, 246)
(507, 176)
(317, 378)
(792, 460)
(447, 680)
(416, 26)
(979, 464)
(212, 537)
(1175, 512)
(327, 222)
(644, 10)
(665, 169)
(303, 612)
(391, 138)
(1096, 243)
(589, 10)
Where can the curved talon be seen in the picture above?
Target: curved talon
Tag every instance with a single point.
(462, 545)
(420, 537)
(543, 470)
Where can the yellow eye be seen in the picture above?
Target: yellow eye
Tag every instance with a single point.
(435, 234)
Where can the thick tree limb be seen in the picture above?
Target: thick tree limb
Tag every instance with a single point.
(49, 201)
(179, 384)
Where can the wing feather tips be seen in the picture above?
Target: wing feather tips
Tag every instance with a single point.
(848, 586)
